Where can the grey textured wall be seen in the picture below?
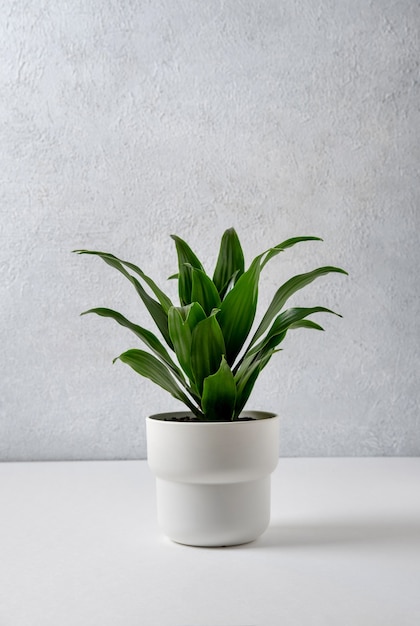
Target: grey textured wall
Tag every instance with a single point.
(123, 122)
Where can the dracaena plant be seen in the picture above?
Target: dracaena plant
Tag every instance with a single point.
(211, 360)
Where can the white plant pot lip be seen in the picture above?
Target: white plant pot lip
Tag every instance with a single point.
(256, 415)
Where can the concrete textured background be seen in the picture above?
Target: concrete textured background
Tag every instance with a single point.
(123, 122)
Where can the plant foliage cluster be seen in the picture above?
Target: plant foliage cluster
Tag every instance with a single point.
(217, 359)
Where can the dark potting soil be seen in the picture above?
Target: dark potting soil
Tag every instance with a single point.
(188, 418)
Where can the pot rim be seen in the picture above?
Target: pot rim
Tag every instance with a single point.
(256, 415)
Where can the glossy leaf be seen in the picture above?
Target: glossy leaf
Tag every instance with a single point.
(118, 264)
(193, 314)
(230, 262)
(181, 339)
(305, 324)
(164, 300)
(288, 320)
(142, 333)
(219, 394)
(150, 367)
(245, 381)
(283, 322)
(204, 291)
(229, 285)
(272, 252)
(209, 330)
(237, 311)
(186, 260)
(286, 291)
(207, 349)
(182, 321)
(155, 308)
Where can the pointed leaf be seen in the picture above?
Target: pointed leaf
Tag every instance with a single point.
(204, 291)
(219, 394)
(142, 333)
(186, 260)
(225, 290)
(207, 349)
(245, 383)
(193, 313)
(182, 343)
(230, 262)
(290, 319)
(156, 310)
(181, 338)
(252, 365)
(282, 323)
(253, 356)
(305, 324)
(182, 321)
(118, 264)
(150, 367)
(285, 292)
(272, 252)
(237, 311)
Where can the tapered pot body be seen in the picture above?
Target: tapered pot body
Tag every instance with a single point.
(213, 478)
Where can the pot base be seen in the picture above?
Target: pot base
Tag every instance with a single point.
(213, 515)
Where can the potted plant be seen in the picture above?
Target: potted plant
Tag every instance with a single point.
(212, 462)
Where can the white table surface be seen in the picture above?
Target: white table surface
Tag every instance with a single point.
(79, 546)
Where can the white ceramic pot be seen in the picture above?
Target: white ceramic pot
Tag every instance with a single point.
(213, 478)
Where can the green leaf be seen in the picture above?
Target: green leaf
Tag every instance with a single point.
(182, 321)
(142, 333)
(229, 285)
(117, 263)
(192, 314)
(283, 322)
(155, 308)
(237, 311)
(181, 338)
(272, 252)
(150, 367)
(305, 324)
(186, 260)
(285, 292)
(207, 349)
(219, 394)
(230, 262)
(289, 319)
(204, 291)
(257, 358)
(161, 296)
(246, 379)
